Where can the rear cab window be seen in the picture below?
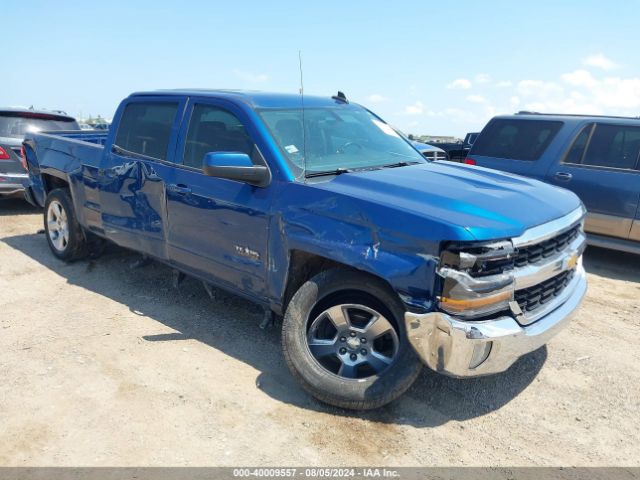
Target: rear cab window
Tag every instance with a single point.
(145, 128)
(516, 139)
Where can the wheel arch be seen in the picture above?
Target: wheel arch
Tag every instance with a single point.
(51, 181)
(304, 265)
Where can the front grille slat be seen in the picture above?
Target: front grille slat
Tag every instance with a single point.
(535, 253)
(530, 299)
(530, 255)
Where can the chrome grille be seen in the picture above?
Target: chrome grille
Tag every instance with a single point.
(532, 298)
(540, 251)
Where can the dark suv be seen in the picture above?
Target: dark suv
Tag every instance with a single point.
(14, 123)
(596, 157)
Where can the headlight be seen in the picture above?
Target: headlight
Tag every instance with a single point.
(478, 279)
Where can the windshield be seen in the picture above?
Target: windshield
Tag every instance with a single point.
(16, 125)
(340, 137)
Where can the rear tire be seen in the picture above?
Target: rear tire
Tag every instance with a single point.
(64, 234)
(344, 341)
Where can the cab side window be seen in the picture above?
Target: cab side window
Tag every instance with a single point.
(213, 129)
(613, 146)
(145, 128)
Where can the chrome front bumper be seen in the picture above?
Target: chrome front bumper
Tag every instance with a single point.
(451, 346)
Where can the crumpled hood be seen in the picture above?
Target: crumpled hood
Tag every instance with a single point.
(488, 204)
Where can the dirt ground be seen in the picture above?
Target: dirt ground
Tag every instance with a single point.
(104, 365)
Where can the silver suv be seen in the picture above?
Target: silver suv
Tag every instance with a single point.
(14, 123)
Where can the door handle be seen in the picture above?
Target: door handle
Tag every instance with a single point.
(179, 188)
(563, 176)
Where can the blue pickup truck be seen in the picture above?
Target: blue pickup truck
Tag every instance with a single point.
(596, 157)
(378, 260)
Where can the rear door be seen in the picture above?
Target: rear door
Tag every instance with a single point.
(601, 168)
(134, 173)
(515, 145)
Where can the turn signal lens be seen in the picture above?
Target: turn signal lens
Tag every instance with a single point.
(453, 305)
(470, 297)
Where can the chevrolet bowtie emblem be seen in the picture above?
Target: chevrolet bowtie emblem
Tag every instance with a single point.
(571, 261)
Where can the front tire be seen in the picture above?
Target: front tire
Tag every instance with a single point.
(344, 340)
(64, 234)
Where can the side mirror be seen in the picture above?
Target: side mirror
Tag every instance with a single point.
(235, 166)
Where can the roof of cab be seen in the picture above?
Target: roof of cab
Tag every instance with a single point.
(255, 99)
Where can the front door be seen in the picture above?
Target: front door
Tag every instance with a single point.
(218, 228)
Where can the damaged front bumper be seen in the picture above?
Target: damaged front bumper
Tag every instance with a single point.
(466, 348)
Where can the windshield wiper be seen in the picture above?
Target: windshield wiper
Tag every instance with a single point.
(399, 164)
(340, 171)
(337, 171)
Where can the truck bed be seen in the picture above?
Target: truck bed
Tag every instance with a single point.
(98, 137)
(61, 154)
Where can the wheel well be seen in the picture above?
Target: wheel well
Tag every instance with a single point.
(51, 183)
(304, 265)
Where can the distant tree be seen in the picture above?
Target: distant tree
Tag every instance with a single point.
(411, 137)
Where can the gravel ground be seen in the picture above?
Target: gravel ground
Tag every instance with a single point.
(105, 365)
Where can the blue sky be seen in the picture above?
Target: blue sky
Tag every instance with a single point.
(440, 68)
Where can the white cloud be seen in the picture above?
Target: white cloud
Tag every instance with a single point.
(579, 78)
(615, 92)
(251, 77)
(552, 97)
(377, 98)
(537, 88)
(564, 105)
(415, 109)
(461, 83)
(483, 78)
(476, 99)
(599, 61)
(579, 90)
(613, 95)
(466, 116)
